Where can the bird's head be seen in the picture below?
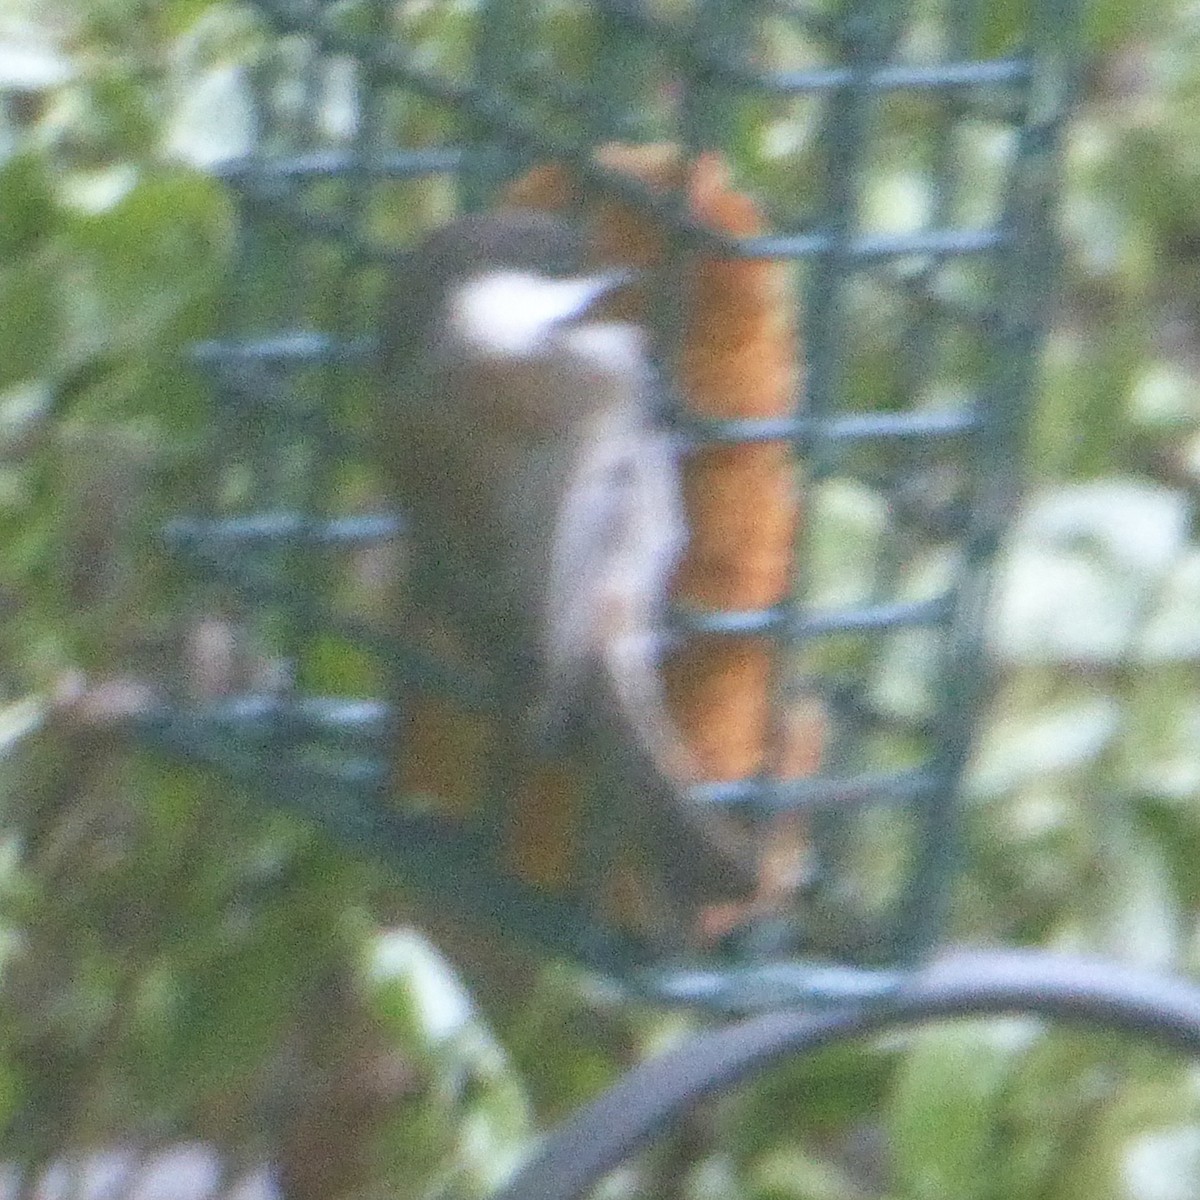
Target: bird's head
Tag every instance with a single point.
(498, 287)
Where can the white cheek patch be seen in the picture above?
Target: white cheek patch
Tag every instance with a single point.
(511, 314)
(612, 346)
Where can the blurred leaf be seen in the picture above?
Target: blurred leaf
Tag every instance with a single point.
(123, 118)
(1133, 1145)
(1067, 736)
(18, 720)
(215, 121)
(181, 16)
(1165, 397)
(944, 1111)
(150, 264)
(485, 1116)
(1111, 25)
(27, 202)
(30, 319)
(1176, 833)
(1066, 1077)
(1075, 428)
(417, 990)
(1000, 27)
(789, 1174)
(814, 1097)
(338, 667)
(1135, 915)
(1163, 1165)
(1085, 568)
(1171, 632)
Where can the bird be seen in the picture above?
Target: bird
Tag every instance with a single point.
(542, 494)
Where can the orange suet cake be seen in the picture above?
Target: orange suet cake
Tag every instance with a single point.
(735, 358)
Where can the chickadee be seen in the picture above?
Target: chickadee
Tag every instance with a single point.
(546, 514)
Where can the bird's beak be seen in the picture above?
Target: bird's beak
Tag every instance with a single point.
(615, 279)
(589, 291)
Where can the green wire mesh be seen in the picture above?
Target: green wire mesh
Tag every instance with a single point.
(906, 157)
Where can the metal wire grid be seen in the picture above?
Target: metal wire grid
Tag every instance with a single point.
(920, 338)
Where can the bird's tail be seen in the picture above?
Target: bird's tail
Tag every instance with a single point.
(640, 765)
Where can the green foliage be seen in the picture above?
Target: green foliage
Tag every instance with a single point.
(945, 1107)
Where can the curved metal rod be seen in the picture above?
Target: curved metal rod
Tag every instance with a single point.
(653, 1095)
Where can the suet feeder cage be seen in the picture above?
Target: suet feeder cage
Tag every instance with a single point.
(848, 209)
